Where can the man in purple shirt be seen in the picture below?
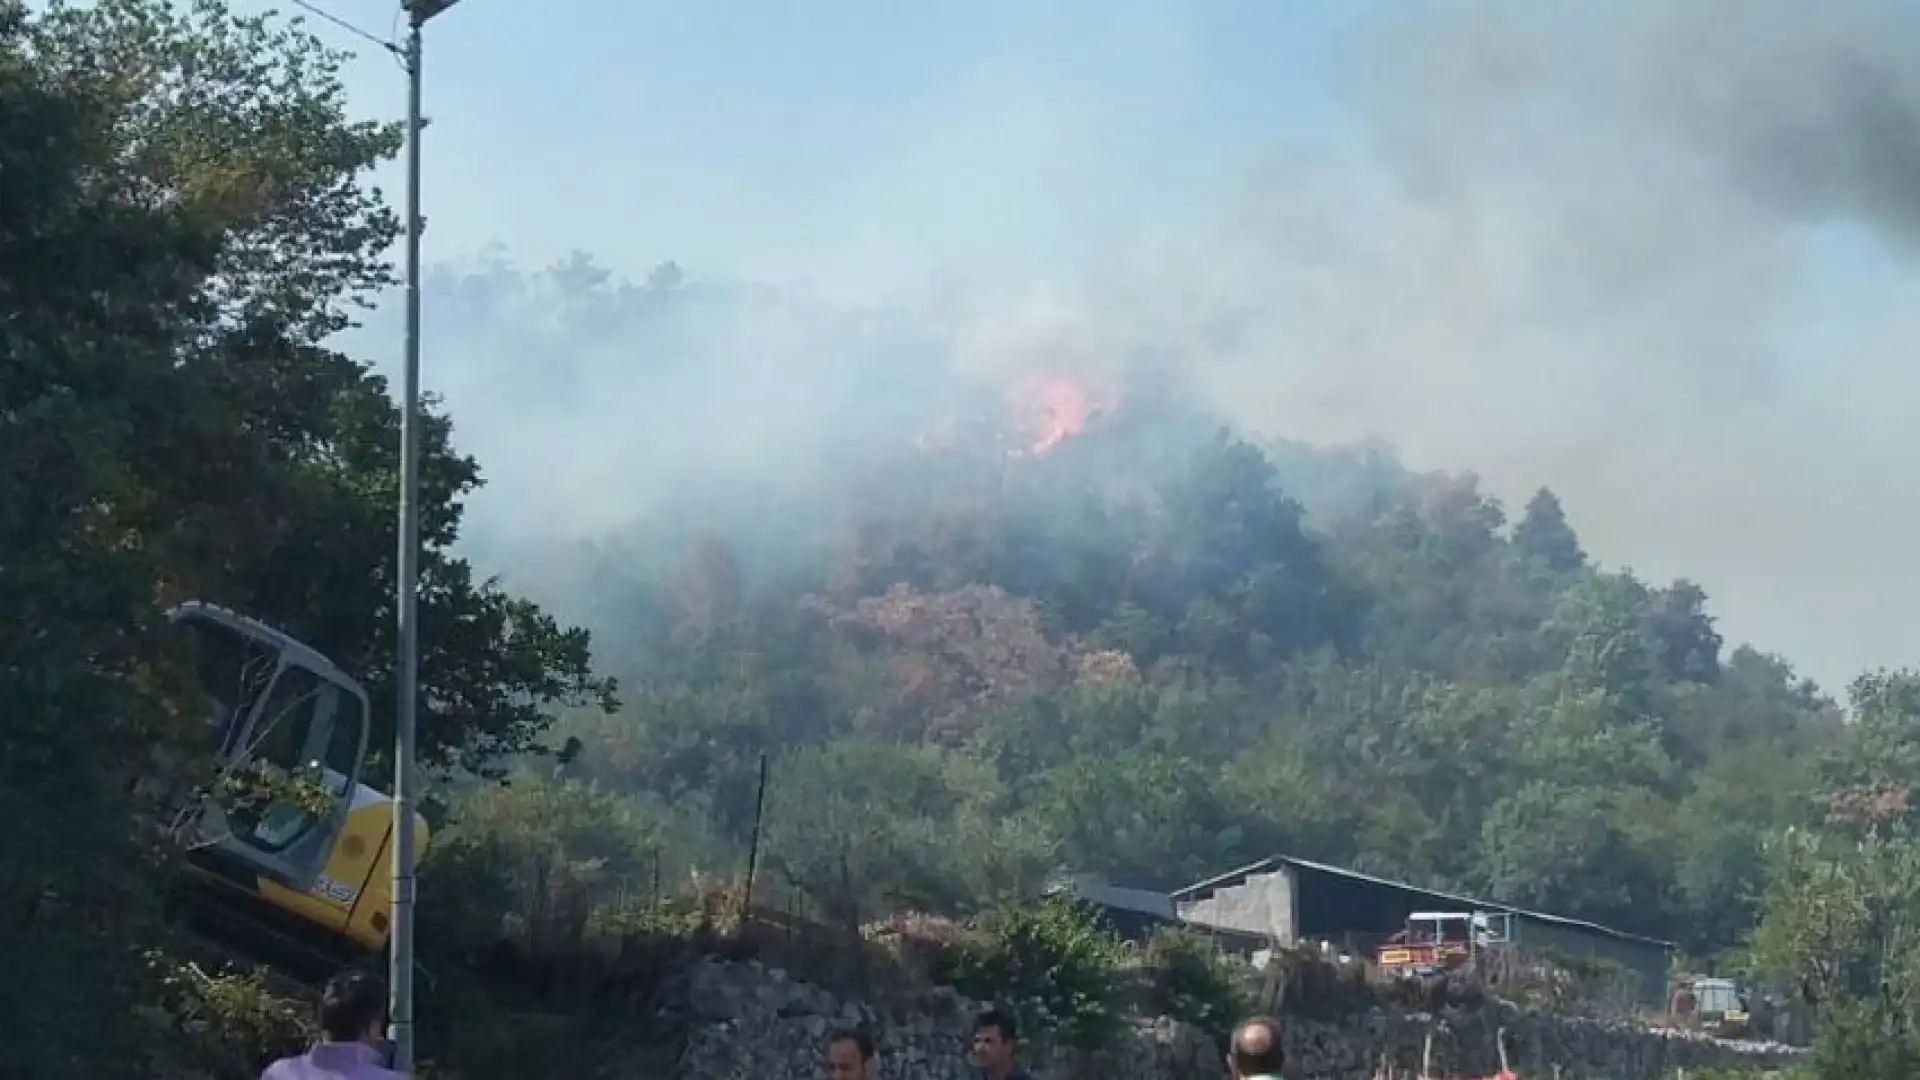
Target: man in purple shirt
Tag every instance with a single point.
(353, 1009)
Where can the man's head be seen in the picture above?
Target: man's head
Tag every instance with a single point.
(850, 1056)
(353, 1008)
(1256, 1049)
(994, 1038)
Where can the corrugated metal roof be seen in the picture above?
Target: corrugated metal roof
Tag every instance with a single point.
(1155, 905)
(1268, 865)
(1141, 901)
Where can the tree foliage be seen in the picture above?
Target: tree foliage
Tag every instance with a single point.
(270, 462)
(184, 219)
(1159, 664)
(1052, 966)
(1840, 917)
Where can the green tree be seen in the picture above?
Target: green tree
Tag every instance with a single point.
(1838, 918)
(1757, 703)
(1052, 965)
(1544, 534)
(1607, 646)
(274, 491)
(1564, 848)
(90, 281)
(1249, 585)
(1721, 828)
(1827, 897)
(1143, 819)
(536, 862)
(861, 828)
(1881, 752)
(1686, 645)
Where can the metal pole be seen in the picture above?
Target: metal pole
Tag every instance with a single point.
(753, 852)
(400, 951)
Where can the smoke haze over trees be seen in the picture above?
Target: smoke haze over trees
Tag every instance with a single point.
(1643, 255)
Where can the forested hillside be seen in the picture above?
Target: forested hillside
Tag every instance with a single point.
(1063, 625)
(1153, 665)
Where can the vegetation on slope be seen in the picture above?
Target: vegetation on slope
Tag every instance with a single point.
(1151, 653)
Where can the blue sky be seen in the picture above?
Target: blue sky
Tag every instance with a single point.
(798, 139)
(876, 142)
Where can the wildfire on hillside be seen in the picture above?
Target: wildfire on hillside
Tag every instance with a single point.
(1055, 409)
(1036, 414)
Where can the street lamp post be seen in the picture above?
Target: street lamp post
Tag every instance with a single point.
(400, 950)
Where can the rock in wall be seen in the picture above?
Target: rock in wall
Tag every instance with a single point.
(751, 1022)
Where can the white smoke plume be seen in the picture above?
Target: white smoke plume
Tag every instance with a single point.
(1606, 248)
(1573, 249)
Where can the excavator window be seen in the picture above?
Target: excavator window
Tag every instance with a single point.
(233, 669)
(310, 728)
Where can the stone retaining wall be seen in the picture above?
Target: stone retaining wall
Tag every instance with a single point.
(752, 1022)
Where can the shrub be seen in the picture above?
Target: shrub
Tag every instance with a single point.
(1052, 965)
(539, 863)
(1865, 1040)
(1306, 982)
(234, 1023)
(545, 908)
(1186, 978)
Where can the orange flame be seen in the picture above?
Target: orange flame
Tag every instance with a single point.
(1043, 411)
(1057, 408)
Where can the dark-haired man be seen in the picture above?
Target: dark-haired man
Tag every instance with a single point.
(996, 1047)
(1255, 1053)
(353, 1009)
(850, 1056)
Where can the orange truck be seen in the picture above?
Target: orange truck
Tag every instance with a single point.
(1439, 941)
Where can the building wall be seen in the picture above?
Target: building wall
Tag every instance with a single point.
(1646, 963)
(1264, 904)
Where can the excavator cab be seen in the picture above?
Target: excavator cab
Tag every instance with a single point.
(280, 710)
(289, 854)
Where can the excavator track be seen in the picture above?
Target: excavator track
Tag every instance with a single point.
(214, 956)
(240, 932)
(251, 931)
(221, 933)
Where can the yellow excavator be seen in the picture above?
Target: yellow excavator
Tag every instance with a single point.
(288, 852)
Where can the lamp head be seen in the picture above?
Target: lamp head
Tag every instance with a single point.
(422, 10)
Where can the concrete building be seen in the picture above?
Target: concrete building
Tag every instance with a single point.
(1288, 901)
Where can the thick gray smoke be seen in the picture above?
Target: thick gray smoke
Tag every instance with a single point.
(1576, 248)
(1656, 255)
